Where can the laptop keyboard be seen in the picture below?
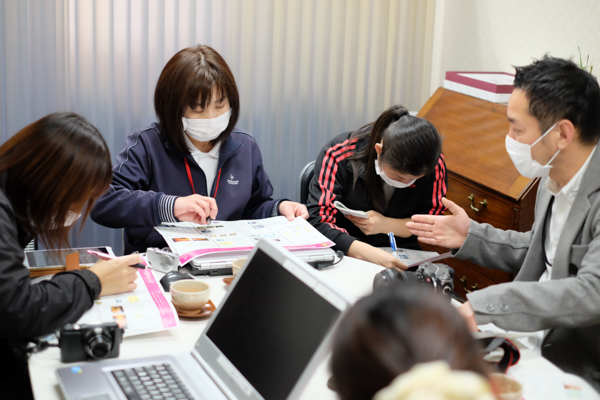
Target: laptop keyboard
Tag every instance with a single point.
(154, 382)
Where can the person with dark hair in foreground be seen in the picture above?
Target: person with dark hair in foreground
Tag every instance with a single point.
(402, 328)
(554, 117)
(193, 164)
(391, 168)
(51, 172)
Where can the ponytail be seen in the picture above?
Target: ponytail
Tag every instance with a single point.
(411, 145)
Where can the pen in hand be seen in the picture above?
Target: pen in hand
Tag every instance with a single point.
(105, 256)
(392, 242)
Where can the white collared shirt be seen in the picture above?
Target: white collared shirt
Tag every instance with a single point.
(561, 207)
(208, 162)
(563, 201)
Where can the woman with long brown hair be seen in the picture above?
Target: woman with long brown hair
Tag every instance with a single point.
(194, 163)
(51, 172)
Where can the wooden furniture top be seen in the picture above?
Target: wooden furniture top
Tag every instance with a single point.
(476, 151)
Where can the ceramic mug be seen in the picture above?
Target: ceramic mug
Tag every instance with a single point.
(237, 264)
(506, 387)
(189, 295)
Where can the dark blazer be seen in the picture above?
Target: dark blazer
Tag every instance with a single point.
(569, 303)
(28, 311)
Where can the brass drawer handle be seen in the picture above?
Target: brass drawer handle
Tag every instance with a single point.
(483, 203)
(463, 280)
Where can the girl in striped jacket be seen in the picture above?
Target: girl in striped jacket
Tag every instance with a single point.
(392, 168)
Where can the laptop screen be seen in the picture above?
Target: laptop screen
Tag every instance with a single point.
(271, 325)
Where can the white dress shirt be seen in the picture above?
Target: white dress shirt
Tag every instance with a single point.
(563, 202)
(207, 161)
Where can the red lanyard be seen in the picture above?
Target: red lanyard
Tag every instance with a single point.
(189, 174)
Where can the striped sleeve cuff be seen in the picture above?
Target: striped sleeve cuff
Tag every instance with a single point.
(166, 205)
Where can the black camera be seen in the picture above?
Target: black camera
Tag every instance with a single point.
(89, 342)
(439, 276)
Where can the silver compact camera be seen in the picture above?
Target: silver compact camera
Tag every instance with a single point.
(162, 260)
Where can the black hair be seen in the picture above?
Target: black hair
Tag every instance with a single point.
(411, 145)
(558, 89)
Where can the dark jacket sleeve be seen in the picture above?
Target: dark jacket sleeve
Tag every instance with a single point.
(30, 310)
(435, 190)
(129, 202)
(260, 205)
(331, 176)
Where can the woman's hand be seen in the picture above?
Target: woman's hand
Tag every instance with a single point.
(366, 252)
(195, 208)
(291, 210)
(116, 276)
(371, 225)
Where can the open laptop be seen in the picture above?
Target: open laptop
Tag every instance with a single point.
(264, 341)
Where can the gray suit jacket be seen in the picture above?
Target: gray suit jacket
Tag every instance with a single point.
(569, 303)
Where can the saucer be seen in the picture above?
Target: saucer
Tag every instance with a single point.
(228, 280)
(206, 311)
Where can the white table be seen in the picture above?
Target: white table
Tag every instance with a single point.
(355, 277)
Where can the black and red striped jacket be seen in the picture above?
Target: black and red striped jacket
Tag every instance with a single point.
(333, 180)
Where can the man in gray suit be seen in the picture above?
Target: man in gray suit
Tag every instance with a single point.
(554, 116)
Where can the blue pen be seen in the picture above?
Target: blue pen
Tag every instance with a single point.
(392, 241)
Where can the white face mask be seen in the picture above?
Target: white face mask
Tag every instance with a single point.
(388, 180)
(205, 130)
(71, 218)
(520, 154)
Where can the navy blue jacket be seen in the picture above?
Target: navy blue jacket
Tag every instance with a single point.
(150, 174)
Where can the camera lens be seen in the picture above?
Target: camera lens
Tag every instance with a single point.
(97, 343)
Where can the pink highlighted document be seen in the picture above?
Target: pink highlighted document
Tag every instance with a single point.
(145, 310)
(189, 240)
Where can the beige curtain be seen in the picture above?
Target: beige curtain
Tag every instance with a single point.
(306, 69)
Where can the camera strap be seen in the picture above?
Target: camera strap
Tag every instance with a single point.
(511, 354)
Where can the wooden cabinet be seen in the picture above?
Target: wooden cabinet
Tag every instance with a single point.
(481, 176)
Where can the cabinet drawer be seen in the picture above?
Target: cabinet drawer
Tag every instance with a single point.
(490, 210)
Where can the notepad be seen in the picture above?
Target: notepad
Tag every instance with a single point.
(348, 211)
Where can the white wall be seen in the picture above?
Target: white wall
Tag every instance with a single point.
(493, 35)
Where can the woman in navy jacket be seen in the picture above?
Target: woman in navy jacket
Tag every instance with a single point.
(392, 168)
(193, 164)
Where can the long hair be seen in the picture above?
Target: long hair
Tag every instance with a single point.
(52, 165)
(189, 79)
(387, 333)
(411, 145)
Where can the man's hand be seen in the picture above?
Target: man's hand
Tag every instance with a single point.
(371, 225)
(366, 252)
(195, 208)
(291, 210)
(466, 311)
(116, 276)
(443, 230)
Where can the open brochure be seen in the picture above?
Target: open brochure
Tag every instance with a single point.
(144, 310)
(190, 240)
